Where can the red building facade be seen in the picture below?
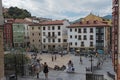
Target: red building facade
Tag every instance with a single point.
(115, 37)
(8, 34)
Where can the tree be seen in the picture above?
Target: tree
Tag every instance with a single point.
(11, 60)
(15, 12)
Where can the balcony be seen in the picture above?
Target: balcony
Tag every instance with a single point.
(51, 36)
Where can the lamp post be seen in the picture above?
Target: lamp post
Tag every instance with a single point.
(15, 61)
(91, 60)
(22, 65)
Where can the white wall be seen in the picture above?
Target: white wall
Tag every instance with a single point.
(86, 42)
(62, 30)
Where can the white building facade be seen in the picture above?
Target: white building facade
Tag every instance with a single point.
(82, 37)
(87, 36)
(54, 35)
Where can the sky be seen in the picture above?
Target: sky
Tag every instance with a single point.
(62, 9)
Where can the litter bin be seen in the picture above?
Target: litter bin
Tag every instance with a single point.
(12, 77)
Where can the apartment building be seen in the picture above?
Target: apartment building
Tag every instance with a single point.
(35, 36)
(91, 33)
(54, 35)
(8, 34)
(20, 33)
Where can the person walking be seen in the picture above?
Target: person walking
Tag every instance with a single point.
(52, 58)
(45, 70)
(81, 60)
(37, 67)
(55, 57)
(96, 54)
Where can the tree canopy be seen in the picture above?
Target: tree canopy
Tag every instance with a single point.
(15, 12)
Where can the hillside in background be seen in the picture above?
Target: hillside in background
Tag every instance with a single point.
(15, 12)
(108, 17)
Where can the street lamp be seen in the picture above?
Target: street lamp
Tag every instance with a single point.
(22, 65)
(91, 60)
(15, 63)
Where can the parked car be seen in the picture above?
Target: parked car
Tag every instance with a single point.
(84, 54)
(44, 51)
(64, 52)
(81, 54)
(55, 52)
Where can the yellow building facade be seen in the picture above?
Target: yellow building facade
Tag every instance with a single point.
(35, 36)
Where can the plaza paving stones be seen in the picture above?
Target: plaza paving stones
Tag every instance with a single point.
(80, 69)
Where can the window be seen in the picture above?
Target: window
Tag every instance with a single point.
(85, 37)
(44, 46)
(79, 37)
(97, 31)
(76, 43)
(38, 27)
(75, 36)
(82, 43)
(91, 44)
(39, 40)
(53, 40)
(48, 27)
(43, 28)
(33, 40)
(79, 30)
(70, 36)
(49, 40)
(59, 40)
(70, 30)
(91, 37)
(58, 27)
(53, 34)
(85, 30)
(44, 40)
(75, 30)
(53, 28)
(49, 34)
(39, 34)
(43, 33)
(59, 34)
(64, 40)
(32, 28)
(91, 30)
(102, 30)
(33, 34)
(53, 46)
(70, 43)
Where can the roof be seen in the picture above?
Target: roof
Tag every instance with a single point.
(34, 24)
(92, 17)
(56, 22)
(21, 21)
(89, 24)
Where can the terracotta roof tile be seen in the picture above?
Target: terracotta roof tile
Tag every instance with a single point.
(34, 24)
(89, 24)
(56, 22)
(21, 21)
